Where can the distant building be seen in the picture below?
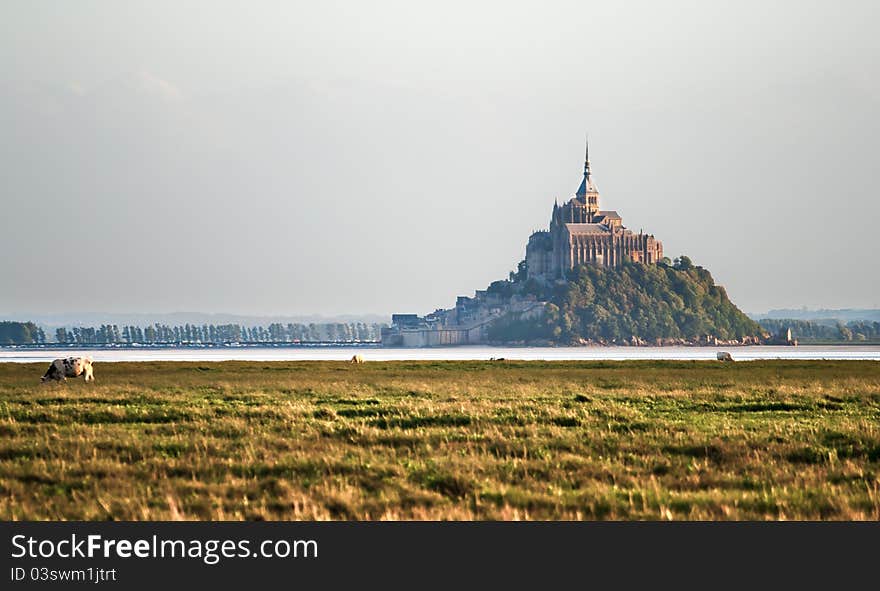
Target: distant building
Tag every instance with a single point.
(581, 233)
(783, 337)
(406, 320)
(465, 324)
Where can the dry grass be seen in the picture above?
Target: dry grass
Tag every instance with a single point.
(443, 440)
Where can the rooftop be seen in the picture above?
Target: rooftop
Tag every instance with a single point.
(587, 229)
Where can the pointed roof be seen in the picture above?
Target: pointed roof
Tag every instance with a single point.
(587, 185)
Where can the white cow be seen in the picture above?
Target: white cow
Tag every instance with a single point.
(723, 356)
(357, 359)
(72, 367)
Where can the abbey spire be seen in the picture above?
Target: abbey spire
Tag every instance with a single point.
(587, 193)
(587, 159)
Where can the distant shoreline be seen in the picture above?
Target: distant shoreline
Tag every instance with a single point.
(148, 346)
(378, 345)
(372, 352)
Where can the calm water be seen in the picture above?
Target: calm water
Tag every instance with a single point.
(452, 353)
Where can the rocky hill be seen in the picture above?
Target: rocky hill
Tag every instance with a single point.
(634, 303)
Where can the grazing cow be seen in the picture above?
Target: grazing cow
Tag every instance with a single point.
(357, 359)
(723, 356)
(72, 367)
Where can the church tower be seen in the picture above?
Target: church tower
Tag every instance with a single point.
(587, 193)
(581, 234)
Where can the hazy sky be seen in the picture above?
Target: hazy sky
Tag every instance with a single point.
(323, 157)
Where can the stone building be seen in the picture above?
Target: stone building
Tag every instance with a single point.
(581, 233)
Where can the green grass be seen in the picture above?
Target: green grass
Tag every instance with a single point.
(443, 440)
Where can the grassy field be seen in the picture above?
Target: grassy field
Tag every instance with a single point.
(443, 440)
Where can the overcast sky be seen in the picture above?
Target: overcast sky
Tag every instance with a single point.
(327, 158)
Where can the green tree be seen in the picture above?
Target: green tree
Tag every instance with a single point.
(683, 263)
(649, 302)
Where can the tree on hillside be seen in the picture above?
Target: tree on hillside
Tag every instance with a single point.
(683, 263)
(634, 300)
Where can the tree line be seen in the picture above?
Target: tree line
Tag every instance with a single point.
(13, 333)
(108, 334)
(854, 331)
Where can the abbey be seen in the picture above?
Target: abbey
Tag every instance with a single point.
(581, 233)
